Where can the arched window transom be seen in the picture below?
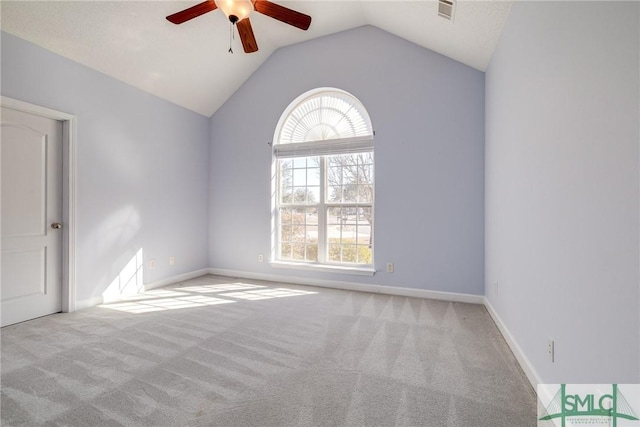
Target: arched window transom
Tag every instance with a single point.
(323, 116)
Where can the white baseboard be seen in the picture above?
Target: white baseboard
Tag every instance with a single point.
(87, 303)
(352, 286)
(521, 357)
(175, 279)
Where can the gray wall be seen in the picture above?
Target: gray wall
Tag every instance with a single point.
(562, 134)
(142, 167)
(428, 114)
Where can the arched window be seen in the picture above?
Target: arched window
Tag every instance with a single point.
(323, 152)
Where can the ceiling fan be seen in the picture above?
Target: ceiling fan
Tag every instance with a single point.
(238, 11)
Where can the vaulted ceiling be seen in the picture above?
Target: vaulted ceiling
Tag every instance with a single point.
(189, 64)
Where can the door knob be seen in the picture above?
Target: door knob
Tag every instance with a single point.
(56, 226)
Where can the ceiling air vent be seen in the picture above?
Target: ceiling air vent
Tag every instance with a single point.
(445, 9)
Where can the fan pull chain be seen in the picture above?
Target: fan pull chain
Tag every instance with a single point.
(231, 36)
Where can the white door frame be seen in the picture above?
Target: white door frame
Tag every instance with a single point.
(68, 193)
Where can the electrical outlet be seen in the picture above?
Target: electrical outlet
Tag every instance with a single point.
(172, 260)
(389, 267)
(260, 258)
(551, 349)
(152, 263)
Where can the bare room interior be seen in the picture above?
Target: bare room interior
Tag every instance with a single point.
(316, 213)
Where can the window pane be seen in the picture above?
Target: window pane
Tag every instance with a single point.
(349, 253)
(312, 216)
(286, 182)
(350, 216)
(334, 252)
(313, 176)
(350, 174)
(365, 193)
(334, 193)
(334, 216)
(299, 234)
(286, 164)
(311, 252)
(334, 175)
(364, 255)
(286, 175)
(364, 235)
(298, 216)
(300, 180)
(299, 194)
(311, 234)
(286, 195)
(299, 177)
(354, 172)
(299, 162)
(349, 234)
(286, 231)
(350, 193)
(365, 214)
(298, 251)
(333, 161)
(285, 251)
(365, 174)
(313, 195)
(285, 216)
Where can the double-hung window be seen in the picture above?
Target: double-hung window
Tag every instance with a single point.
(324, 172)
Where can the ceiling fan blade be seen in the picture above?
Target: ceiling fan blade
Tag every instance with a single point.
(246, 35)
(281, 13)
(192, 12)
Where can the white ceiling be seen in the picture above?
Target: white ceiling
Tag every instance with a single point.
(189, 64)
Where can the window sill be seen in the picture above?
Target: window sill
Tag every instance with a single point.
(360, 271)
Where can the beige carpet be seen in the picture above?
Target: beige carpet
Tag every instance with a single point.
(216, 351)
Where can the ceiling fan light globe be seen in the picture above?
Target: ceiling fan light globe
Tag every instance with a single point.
(238, 8)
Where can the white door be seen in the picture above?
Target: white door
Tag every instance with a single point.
(31, 154)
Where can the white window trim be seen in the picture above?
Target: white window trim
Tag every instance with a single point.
(325, 268)
(350, 145)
